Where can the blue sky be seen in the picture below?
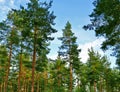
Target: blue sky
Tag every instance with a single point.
(74, 11)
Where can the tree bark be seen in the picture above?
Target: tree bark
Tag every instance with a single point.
(45, 80)
(94, 86)
(38, 86)
(59, 77)
(8, 68)
(100, 84)
(71, 78)
(34, 60)
(1, 86)
(91, 88)
(20, 68)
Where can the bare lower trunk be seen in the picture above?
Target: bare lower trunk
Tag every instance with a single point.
(59, 78)
(8, 69)
(100, 84)
(45, 80)
(71, 78)
(33, 69)
(1, 86)
(38, 83)
(91, 88)
(20, 68)
(34, 61)
(38, 86)
(94, 86)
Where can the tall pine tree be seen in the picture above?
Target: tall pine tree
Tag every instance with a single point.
(69, 51)
(37, 21)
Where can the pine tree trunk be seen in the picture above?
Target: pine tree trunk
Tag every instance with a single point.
(100, 84)
(1, 87)
(25, 85)
(45, 80)
(8, 68)
(38, 83)
(38, 86)
(71, 78)
(90, 88)
(20, 68)
(59, 78)
(94, 86)
(34, 60)
(107, 86)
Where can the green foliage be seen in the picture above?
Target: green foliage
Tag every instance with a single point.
(69, 52)
(106, 22)
(69, 48)
(27, 32)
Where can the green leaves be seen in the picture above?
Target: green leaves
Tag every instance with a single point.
(106, 22)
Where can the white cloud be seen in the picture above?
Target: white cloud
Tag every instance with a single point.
(53, 56)
(2, 1)
(12, 2)
(96, 44)
(84, 47)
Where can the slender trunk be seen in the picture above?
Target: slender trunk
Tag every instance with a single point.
(71, 78)
(94, 86)
(107, 86)
(20, 68)
(100, 84)
(1, 87)
(25, 85)
(11, 88)
(38, 86)
(78, 84)
(45, 80)
(59, 78)
(38, 83)
(91, 88)
(8, 68)
(28, 83)
(34, 60)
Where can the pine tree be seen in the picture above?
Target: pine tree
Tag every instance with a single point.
(37, 22)
(106, 23)
(9, 37)
(96, 69)
(3, 63)
(69, 51)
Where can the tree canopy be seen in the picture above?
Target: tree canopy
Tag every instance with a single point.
(105, 21)
(25, 37)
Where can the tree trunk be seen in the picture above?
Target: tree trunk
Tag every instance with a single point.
(59, 77)
(38, 86)
(1, 86)
(94, 86)
(107, 86)
(8, 68)
(91, 88)
(34, 60)
(38, 83)
(20, 68)
(71, 78)
(45, 80)
(100, 84)
(25, 85)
